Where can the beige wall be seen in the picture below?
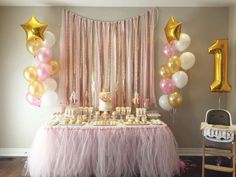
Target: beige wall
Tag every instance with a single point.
(204, 25)
(232, 55)
(19, 121)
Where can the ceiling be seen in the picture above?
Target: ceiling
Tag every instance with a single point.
(120, 3)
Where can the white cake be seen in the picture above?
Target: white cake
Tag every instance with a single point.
(105, 101)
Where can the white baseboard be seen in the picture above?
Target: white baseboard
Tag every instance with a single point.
(23, 152)
(189, 151)
(14, 152)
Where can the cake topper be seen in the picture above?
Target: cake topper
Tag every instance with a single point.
(105, 97)
(73, 98)
(136, 99)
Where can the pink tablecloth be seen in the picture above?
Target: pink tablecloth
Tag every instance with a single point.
(149, 151)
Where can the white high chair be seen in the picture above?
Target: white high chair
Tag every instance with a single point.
(218, 128)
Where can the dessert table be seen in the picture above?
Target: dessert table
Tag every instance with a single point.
(103, 151)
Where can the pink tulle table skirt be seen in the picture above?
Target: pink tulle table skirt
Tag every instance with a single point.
(63, 151)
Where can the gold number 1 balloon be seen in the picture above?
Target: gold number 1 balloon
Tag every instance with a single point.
(220, 51)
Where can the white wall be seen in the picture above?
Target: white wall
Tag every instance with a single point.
(19, 121)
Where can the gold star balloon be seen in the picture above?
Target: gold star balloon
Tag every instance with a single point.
(33, 28)
(172, 29)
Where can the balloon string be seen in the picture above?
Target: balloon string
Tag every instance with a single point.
(172, 116)
(219, 101)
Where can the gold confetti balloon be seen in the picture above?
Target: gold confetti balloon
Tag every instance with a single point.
(175, 99)
(55, 66)
(36, 89)
(164, 71)
(30, 74)
(174, 64)
(33, 45)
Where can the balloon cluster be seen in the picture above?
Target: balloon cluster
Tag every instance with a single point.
(41, 89)
(173, 75)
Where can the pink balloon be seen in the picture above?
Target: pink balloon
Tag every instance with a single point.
(167, 85)
(44, 54)
(32, 100)
(169, 50)
(44, 71)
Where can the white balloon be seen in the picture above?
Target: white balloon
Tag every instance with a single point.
(50, 84)
(183, 42)
(187, 60)
(49, 39)
(49, 99)
(180, 78)
(164, 103)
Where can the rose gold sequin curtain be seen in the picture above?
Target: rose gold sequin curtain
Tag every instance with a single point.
(118, 56)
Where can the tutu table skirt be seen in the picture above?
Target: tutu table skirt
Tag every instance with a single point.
(103, 151)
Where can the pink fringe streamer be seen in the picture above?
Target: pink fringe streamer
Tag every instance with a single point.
(104, 152)
(117, 55)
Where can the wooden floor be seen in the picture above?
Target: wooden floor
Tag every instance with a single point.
(12, 167)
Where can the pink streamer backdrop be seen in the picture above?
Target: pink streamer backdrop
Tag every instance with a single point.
(118, 56)
(103, 152)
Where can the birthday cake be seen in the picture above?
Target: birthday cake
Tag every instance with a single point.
(105, 101)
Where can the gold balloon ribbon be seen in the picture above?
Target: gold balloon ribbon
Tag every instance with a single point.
(172, 29)
(220, 51)
(33, 28)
